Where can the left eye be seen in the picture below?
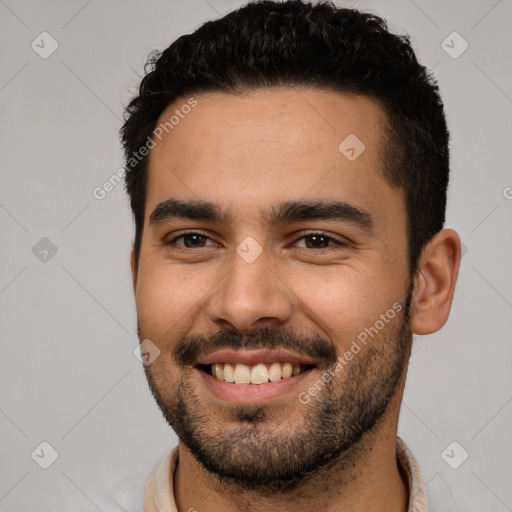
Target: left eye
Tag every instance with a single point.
(318, 241)
(311, 241)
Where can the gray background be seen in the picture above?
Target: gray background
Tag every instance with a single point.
(68, 374)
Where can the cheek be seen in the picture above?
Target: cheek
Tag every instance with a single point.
(168, 298)
(345, 301)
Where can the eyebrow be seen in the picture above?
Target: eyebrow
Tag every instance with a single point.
(285, 212)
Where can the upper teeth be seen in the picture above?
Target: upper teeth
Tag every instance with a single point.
(257, 374)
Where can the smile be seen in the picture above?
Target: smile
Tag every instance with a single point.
(260, 373)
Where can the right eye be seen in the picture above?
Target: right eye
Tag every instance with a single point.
(190, 239)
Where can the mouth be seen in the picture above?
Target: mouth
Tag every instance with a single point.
(255, 374)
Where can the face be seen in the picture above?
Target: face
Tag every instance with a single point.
(273, 254)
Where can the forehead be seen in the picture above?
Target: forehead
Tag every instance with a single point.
(251, 149)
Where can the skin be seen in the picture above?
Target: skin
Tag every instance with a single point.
(247, 153)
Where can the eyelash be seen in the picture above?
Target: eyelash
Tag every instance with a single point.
(310, 234)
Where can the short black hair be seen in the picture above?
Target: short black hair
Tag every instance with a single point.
(296, 43)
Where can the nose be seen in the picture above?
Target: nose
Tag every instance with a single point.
(250, 296)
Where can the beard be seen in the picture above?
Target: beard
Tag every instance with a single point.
(256, 446)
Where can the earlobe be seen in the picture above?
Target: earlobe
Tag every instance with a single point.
(133, 266)
(435, 280)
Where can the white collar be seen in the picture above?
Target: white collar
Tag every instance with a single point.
(159, 493)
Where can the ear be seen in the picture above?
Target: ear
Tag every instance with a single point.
(434, 282)
(133, 266)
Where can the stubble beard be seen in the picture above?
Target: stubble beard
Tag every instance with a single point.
(247, 445)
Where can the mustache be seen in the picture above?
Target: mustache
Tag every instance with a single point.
(190, 348)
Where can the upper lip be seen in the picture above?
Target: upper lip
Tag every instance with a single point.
(253, 357)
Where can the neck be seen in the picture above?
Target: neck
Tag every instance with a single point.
(366, 477)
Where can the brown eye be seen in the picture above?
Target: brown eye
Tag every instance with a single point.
(194, 240)
(319, 241)
(190, 240)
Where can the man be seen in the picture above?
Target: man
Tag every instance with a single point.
(287, 167)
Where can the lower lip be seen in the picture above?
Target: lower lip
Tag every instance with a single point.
(253, 393)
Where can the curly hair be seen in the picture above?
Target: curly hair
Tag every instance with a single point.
(296, 43)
